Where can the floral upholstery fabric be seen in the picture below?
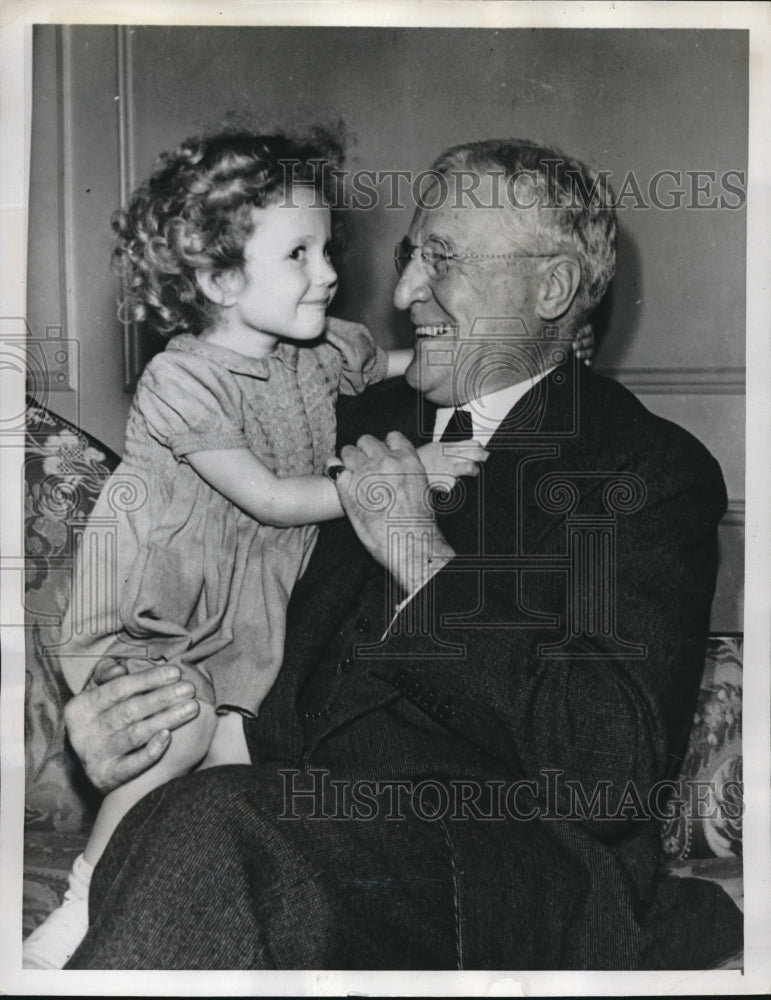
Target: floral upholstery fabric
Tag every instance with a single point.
(48, 858)
(708, 823)
(64, 472)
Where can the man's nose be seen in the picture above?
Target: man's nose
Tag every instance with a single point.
(412, 285)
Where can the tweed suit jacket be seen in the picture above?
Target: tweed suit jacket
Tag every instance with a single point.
(562, 647)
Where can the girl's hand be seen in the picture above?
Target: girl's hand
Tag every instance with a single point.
(445, 463)
(353, 341)
(583, 344)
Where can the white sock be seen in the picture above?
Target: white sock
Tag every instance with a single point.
(53, 943)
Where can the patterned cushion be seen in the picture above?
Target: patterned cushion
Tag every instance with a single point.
(48, 858)
(64, 472)
(708, 823)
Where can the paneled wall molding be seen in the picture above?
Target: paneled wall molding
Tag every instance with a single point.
(734, 515)
(125, 91)
(719, 379)
(63, 376)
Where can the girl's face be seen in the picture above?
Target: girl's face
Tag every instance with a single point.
(288, 281)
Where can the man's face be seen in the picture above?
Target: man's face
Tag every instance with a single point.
(472, 325)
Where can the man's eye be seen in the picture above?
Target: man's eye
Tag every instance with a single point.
(299, 253)
(434, 251)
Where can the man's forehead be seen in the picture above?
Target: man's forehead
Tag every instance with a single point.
(472, 210)
(469, 226)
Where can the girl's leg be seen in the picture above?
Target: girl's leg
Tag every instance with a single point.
(189, 745)
(228, 745)
(52, 944)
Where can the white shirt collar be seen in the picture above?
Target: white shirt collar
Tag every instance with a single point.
(488, 411)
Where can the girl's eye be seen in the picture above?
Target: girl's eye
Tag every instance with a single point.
(327, 251)
(298, 253)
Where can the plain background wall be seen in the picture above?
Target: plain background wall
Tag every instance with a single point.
(107, 100)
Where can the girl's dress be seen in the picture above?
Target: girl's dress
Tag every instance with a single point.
(168, 569)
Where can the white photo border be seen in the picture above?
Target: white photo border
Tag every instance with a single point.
(16, 20)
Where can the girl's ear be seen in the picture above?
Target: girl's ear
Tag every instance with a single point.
(221, 288)
(558, 288)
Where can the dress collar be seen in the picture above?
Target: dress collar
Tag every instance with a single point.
(284, 353)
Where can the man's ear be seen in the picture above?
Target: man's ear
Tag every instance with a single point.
(558, 288)
(221, 288)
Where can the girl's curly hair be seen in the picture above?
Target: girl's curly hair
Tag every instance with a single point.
(196, 211)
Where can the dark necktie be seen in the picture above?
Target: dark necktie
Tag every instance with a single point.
(460, 427)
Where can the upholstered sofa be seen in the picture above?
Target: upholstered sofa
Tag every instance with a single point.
(64, 472)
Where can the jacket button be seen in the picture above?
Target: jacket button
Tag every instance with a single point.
(363, 624)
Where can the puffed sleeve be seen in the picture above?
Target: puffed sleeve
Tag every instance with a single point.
(352, 381)
(190, 404)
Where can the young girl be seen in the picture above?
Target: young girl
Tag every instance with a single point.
(225, 250)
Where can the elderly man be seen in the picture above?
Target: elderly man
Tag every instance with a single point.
(460, 764)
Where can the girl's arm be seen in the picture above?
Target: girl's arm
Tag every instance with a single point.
(242, 478)
(357, 346)
(398, 360)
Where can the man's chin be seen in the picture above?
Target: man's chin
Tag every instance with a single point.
(437, 394)
(411, 376)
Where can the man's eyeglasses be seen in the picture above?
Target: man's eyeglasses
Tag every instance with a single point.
(436, 256)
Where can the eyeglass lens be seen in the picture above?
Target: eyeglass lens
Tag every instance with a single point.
(433, 253)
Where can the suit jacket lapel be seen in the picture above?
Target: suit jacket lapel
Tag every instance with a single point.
(556, 452)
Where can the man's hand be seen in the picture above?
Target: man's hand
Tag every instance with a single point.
(385, 493)
(122, 727)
